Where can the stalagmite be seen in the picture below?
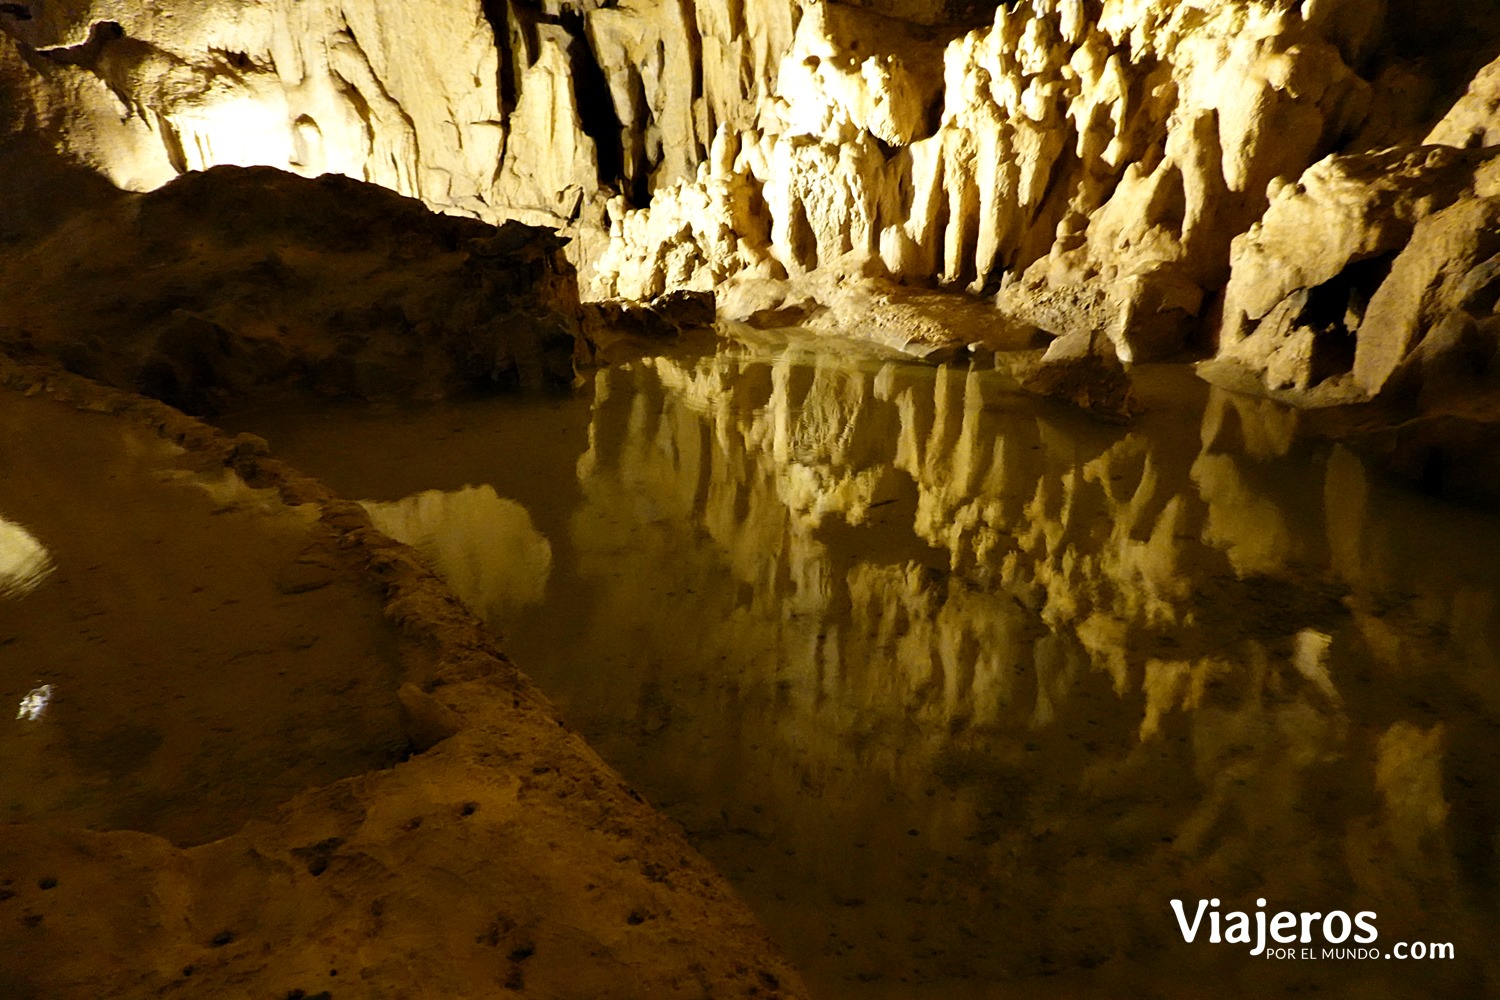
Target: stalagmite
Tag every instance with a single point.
(1084, 164)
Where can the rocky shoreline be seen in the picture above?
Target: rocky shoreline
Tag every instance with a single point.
(501, 854)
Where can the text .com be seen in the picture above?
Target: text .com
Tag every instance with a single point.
(1308, 935)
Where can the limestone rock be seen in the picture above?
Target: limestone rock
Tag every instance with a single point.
(1111, 165)
(1086, 372)
(1354, 263)
(669, 317)
(693, 237)
(551, 166)
(1085, 163)
(1475, 119)
(400, 96)
(645, 53)
(1447, 269)
(228, 282)
(855, 297)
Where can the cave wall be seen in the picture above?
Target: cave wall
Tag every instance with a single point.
(1094, 165)
(400, 95)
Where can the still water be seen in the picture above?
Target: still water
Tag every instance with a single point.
(962, 689)
(174, 646)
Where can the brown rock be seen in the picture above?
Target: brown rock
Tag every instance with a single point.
(223, 284)
(1353, 264)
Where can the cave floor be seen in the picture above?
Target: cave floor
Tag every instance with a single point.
(960, 688)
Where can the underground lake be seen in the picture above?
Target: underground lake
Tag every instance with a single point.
(959, 687)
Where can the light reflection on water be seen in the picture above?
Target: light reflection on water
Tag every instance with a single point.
(961, 689)
(483, 545)
(187, 666)
(34, 705)
(24, 562)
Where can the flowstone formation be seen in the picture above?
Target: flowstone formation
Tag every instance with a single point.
(1090, 167)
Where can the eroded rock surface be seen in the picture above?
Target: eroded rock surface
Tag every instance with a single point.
(402, 96)
(1088, 160)
(1362, 262)
(235, 281)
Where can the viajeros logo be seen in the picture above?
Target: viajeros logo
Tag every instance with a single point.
(1305, 934)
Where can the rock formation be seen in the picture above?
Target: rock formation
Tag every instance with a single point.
(1092, 162)
(1088, 163)
(144, 92)
(1368, 265)
(238, 281)
(1308, 190)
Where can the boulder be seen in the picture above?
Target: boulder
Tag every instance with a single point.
(1473, 121)
(1333, 290)
(239, 281)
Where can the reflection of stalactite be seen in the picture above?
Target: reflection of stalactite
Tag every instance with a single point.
(905, 546)
(482, 544)
(1070, 660)
(1101, 534)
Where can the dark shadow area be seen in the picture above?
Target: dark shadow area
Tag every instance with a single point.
(1336, 308)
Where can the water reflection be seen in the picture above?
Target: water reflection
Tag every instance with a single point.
(962, 689)
(34, 705)
(24, 562)
(484, 545)
(187, 666)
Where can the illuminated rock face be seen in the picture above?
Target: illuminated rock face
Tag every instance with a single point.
(1088, 162)
(1372, 267)
(400, 95)
(1091, 161)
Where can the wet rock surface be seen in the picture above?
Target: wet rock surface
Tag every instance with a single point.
(665, 318)
(239, 281)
